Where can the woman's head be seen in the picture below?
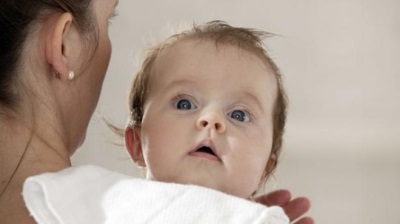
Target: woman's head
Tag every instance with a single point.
(17, 22)
(43, 113)
(41, 43)
(222, 35)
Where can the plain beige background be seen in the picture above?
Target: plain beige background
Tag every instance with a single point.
(341, 66)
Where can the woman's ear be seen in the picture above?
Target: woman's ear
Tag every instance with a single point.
(134, 146)
(62, 43)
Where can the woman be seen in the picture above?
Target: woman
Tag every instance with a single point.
(53, 58)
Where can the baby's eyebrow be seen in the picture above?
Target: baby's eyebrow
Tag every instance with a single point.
(179, 83)
(252, 97)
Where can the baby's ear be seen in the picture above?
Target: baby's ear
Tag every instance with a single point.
(133, 144)
(271, 165)
(269, 169)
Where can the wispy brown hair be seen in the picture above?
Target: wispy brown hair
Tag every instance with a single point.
(222, 34)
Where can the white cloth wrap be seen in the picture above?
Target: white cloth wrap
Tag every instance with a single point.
(90, 194)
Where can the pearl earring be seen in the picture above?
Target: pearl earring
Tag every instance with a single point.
(71, 75)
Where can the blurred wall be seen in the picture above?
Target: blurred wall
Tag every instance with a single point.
(341, 66)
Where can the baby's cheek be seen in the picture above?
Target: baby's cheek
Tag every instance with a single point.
(259, 162)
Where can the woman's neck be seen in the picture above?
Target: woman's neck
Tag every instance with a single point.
(24, 152)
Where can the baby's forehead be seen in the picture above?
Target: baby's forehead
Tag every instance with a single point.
(188, 48)
(189, 45)
(186, 62)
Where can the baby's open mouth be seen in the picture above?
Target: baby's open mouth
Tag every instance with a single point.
(206, 150)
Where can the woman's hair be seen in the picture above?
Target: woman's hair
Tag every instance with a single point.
(222, 34)
(17, 21)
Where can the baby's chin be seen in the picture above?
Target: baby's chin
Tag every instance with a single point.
(245, 192)
(237, 192)
(225, 187)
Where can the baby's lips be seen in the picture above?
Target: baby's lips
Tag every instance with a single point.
(209, 145)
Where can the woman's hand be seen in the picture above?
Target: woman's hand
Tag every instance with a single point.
(293, 208)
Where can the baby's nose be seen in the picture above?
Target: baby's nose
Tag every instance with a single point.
(211, 120)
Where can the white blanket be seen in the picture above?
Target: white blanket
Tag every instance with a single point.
(91, 194)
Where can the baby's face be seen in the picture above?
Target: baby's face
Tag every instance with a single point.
(208, 119)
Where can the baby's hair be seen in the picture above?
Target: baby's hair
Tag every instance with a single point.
(222, 34)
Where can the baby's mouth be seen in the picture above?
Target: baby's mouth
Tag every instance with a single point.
(206, 150)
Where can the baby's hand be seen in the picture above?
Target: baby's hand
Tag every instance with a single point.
(293, 208)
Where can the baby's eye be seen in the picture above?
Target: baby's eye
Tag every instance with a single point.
(239, 115)
(185, 104)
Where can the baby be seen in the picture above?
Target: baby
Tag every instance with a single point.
(208, 108)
